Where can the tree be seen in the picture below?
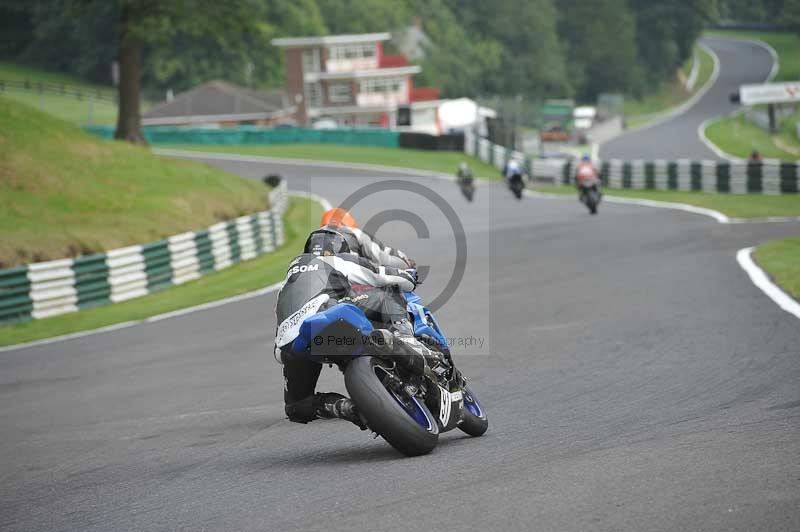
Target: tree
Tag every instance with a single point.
(155, 23)
(602, 51)
(524, 32)
(791, 14)
(666, 33)
(186, 60)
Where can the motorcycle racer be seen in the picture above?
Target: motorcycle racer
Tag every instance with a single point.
(328, 273)
(586, 175)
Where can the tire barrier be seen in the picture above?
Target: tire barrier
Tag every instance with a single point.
(748, 177)
(769, 176)
(45, 289)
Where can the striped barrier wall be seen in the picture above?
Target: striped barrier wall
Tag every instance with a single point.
(45, 289)
(769, 176)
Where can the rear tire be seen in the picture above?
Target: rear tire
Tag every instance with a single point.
(383, 411)
(592, 201)
(473, 420)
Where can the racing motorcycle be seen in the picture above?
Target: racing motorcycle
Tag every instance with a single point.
(467, 186)
(407, 402)
(516, 185)
(590, 193)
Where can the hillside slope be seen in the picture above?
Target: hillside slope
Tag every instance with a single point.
(65, 193)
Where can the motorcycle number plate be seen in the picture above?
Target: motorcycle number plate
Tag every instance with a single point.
(289, 329)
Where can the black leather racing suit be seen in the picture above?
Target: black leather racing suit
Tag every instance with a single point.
(377, 290)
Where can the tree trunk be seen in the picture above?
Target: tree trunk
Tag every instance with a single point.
(130, 52)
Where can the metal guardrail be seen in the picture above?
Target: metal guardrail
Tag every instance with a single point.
(58, 89)
(56, 287)
(769, 176)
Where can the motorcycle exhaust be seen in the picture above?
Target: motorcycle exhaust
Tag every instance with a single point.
(398, 350)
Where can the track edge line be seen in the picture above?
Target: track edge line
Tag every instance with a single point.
(761, 279)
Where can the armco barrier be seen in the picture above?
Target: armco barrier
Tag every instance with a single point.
(260, 135)
(747, 177)
(56, 287)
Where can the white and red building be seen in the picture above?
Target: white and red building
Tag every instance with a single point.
(348, 79)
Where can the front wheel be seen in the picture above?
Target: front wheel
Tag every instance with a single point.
(473, 419)
(401, 419)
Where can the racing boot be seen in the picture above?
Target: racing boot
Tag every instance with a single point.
(408, 352)
(334, 405)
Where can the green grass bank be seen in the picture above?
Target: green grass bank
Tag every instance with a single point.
(302, 216)
(65, 193)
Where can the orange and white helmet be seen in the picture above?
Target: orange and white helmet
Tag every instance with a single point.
(338, 217)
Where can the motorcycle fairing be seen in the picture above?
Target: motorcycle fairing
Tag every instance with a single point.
(321, 325)
(423, 321)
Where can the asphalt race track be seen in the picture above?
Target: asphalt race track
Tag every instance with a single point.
(740, 62)
(635, 380)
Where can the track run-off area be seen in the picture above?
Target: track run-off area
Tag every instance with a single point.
(635, 378)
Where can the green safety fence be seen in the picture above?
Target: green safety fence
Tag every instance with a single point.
(260, 135)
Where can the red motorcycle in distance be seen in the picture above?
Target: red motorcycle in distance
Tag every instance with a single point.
(587, 179)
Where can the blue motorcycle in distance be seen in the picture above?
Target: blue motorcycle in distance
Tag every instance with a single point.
(408, 404)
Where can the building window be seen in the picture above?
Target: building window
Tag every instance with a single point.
(382, 85)
(311, 60)
(352, 51)
(313, 95)
(340, 93)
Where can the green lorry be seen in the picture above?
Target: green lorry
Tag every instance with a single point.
(555, 120)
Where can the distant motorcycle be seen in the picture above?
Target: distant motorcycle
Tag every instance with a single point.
(516, 184)
(467, 186)
(590, 193)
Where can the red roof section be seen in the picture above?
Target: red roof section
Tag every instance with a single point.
(392, 61)
(420, 94)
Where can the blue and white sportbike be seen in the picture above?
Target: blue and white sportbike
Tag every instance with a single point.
(407, 400)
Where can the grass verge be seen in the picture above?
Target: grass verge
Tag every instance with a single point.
(436, 161)
(262, 271)
(64, 192)
(67, 106)
(739, 137)
(781, 259)
(733, 205)
(668, 95)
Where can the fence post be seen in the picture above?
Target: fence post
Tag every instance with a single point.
(650, 175)
(627, 173)
(755, 172)
(672, 175)
(789, 178)
(696, 173)
(724, 176)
